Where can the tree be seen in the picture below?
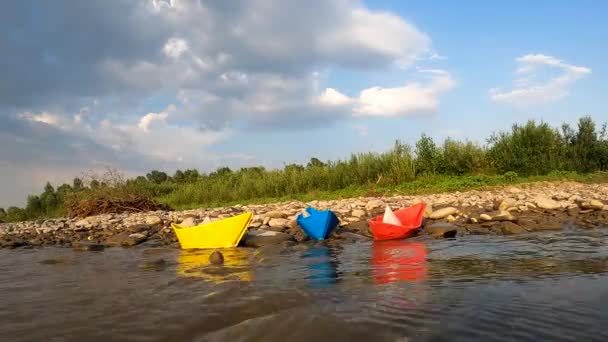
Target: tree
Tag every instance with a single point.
(156, 176)
(48, 199)
(293, 168)
(428, 156)
(222, 171)
(77, 184)
(2, 214)
(191, 175)
(586, 145)
(315, 162)
(179, 176)
(14, 214)
(33, 207)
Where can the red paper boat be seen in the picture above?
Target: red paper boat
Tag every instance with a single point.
(410, 218)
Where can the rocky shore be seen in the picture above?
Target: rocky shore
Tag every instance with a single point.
(501, 211)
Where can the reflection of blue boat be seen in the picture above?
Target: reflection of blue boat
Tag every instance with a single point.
(318, 224)
(322, 271)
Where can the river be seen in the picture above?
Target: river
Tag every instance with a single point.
(547, 286)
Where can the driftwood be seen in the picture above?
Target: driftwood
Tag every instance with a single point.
(84, 207)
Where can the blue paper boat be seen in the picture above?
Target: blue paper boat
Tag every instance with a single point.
(318, 224)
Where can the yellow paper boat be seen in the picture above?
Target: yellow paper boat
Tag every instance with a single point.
(236, 267)
(224, 233)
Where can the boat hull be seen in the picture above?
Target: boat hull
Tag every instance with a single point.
(224, 233)
(410, 218)
(319, 224)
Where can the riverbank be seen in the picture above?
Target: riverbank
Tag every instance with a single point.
(499, 211)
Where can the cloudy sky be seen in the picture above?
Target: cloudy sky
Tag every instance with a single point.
(145, 84)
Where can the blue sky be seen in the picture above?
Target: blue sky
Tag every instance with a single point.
(173, 84)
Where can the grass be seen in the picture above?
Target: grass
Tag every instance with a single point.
(421, 186)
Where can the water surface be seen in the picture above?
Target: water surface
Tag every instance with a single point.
(549, 286)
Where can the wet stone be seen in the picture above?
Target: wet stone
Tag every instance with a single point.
(88, 246)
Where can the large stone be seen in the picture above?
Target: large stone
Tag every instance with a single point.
(592, 204)
(441, 230)
(153, 220)
(504, 216)
(485, 217)
(428, 210)
(358, 213)
(510, 228)
(278, 223)
(275, 214)
(514, 190)
(506, 203)
(443, 213)
(133, 240)
(188, 222)
(544, 202)
(261, 237)
(136, 228)
(373, 204)
(216, 258)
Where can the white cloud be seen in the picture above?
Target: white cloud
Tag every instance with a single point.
(146, 120)
(527, 91)
(332, 97)
(412, 98)
(43, 117)
(175, 47)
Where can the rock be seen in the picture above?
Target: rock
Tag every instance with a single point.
(373, 204)
(506, 204)
(450, 219)
(485, 217)
(521, 197)
(605, 208)
(353, 237)
(255, 224)
(504, 216)
(443, 213)
(136, 228)
(278, 223)
(428, 210)
(82, 223)
(188, 222)
(530, 205)
(153, 220)
(261, 237)
(360, 227)
(514, 190)
(87, 246)
(592, 204)
(275, 214)
(547, 203)
(510, 228)
(266, 220)
(134, 239)
(358, 213)
(216, 258)
(442, 230)
(472, 220)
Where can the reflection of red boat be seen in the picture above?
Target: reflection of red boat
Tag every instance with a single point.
(398, 261)
(410, 217)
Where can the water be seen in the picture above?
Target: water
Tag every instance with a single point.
(550, 286)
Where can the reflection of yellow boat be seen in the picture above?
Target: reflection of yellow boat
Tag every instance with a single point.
(224, 233)
(237, 265)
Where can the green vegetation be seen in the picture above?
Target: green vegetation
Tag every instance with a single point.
(530, 152)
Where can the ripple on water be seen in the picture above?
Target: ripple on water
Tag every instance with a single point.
(546, 286)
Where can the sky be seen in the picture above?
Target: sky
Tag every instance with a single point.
(174, 84)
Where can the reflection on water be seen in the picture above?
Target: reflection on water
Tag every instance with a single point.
(398, 260)
(549, 286)
(322, 266)
(236, 266)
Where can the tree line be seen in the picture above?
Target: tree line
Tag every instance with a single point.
(526, 150)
